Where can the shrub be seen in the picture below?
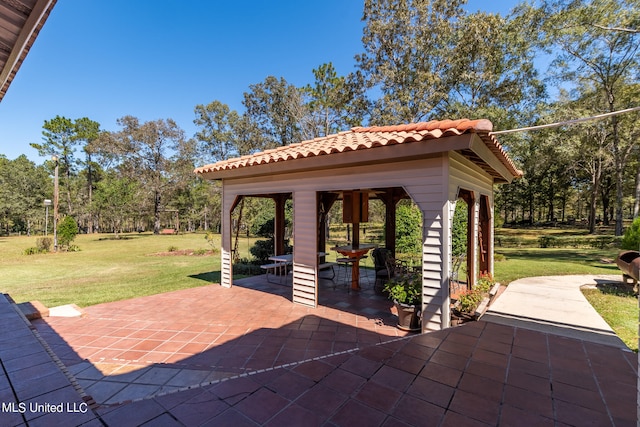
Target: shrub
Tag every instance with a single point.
(499, 257)
(212, 239)
(631, 238)
(67, 231)
(44, 244)
(172, 249)
(459, 233)
(408, 229)
(548, 241)
(33, 251)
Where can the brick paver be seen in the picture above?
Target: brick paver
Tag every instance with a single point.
(190, 358)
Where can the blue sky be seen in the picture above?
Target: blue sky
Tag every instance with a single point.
(158, 59)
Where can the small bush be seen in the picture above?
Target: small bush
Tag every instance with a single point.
(44, 244)
(263, 249)
(631, 238)
(548, 241)
(33, 251)
(469, 301)
(212, 240)
(67, 231)
(73, 248)
(172, 249)
(247, 267)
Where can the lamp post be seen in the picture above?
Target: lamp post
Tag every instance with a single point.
(47, 203)
(55, 204)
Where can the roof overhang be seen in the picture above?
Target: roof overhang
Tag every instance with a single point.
(376, 145)
(20, 23)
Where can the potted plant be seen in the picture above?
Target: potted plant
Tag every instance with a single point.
(468, 301)
(406, 293)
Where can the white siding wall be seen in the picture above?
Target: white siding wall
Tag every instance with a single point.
(305, 252)
(225, 252)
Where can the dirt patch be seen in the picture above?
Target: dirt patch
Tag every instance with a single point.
(186, 252)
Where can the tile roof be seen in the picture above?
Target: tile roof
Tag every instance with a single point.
(363, 138)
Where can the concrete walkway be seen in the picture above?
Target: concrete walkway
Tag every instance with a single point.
(554, 304)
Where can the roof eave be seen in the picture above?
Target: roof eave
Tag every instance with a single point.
(24, 42)
(375, 155)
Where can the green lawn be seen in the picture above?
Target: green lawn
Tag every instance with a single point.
(618, 306)
(109, 270)
(105, 269)
(530, 262)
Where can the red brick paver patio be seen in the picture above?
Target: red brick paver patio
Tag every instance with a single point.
(251, 358)
(166, 342)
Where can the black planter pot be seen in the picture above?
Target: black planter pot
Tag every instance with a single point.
(408, 317)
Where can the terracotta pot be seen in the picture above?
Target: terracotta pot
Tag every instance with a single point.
(408, 317)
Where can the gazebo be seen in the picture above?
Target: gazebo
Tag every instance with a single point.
(434, 163)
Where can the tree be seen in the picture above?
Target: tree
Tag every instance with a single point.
(23, 189)
(216, 134)
(329, 100)
(115, 199)
(408, 49)
(59, 140)
(144, 150)
(67, 231)
(86, 132)
(588, 51)
(277, 109)
(492, 73)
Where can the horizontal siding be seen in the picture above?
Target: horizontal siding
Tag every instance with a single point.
(226, 269)
(304, 284)
(305, 252)
(465, 174)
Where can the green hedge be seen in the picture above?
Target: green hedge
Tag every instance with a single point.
(549, 241)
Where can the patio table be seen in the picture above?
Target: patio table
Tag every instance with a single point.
(279, 266)
(356, 252)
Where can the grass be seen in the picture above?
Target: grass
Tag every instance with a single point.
(530, 262)
(108, 270)
(105, 269)
(618, 306)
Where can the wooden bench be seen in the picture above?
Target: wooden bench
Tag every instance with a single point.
(168, 231)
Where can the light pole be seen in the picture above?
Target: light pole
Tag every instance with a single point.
(47, 203)
(55, 204)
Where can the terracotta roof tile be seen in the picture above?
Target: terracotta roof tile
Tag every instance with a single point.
(363, 138)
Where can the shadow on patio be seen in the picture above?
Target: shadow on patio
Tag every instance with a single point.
(133, 349)
(258, 359)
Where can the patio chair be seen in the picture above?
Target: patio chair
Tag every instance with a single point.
(345, 264)
(381, 258)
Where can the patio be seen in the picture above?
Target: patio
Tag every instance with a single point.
(137, 348)
(192, 358)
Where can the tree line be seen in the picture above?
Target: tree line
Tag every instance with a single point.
(420, 60)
